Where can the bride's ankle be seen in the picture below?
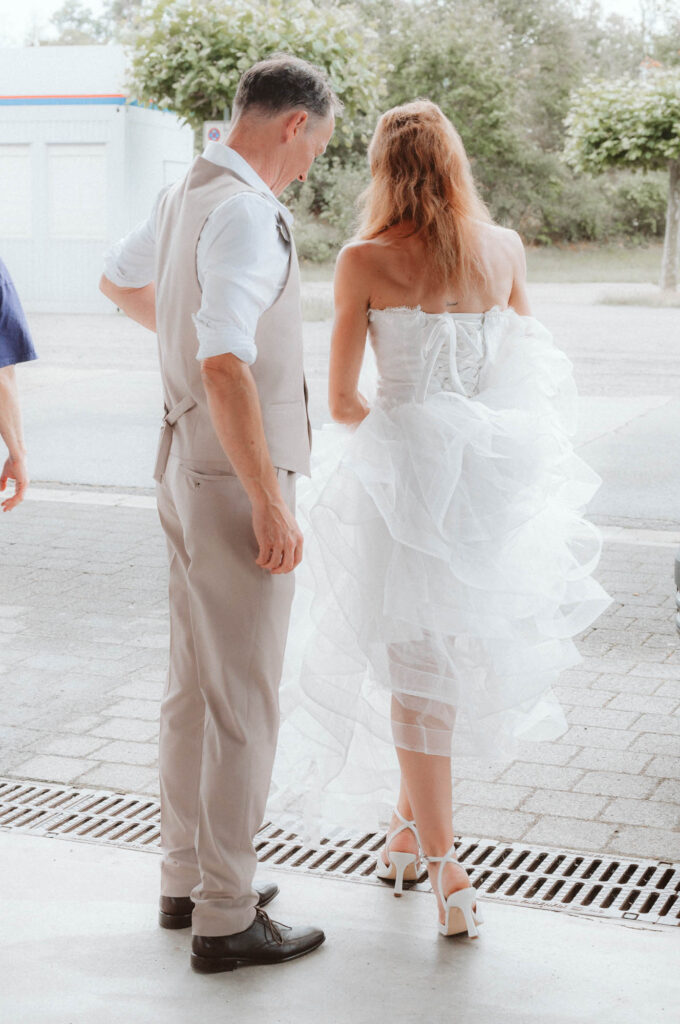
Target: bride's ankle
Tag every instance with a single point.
(438, 845)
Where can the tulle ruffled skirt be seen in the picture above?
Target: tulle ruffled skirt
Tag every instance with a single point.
(447, 569)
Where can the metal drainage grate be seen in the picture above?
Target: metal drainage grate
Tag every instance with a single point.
(590, 884)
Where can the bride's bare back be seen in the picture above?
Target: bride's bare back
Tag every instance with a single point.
(393, 270)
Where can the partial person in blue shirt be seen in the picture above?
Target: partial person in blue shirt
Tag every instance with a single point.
(16, 346)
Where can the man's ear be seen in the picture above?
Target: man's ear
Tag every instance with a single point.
(294, 124)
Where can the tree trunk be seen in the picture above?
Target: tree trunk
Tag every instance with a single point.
(671, 244)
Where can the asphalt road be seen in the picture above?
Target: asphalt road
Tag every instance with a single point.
(92, 402)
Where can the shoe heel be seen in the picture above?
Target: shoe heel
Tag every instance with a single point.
(401, 862)
(212, 965)
(174, 920)
(459, 905)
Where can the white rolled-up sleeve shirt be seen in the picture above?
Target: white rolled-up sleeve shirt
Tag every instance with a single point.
(242, 261)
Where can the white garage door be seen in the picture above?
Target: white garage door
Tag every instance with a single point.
(77, 191)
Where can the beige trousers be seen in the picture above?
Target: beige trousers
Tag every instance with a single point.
(220, 713)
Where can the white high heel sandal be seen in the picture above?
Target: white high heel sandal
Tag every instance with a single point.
(459, 915)
(402, 866)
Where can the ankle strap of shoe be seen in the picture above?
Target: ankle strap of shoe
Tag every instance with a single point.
(404, 826)
(448, 858)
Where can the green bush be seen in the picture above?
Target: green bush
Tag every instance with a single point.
(326, 207)
(638, 204)
(550, 205)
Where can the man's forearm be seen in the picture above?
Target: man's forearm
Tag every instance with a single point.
(10, 413)
(237, 418)
(137, 303)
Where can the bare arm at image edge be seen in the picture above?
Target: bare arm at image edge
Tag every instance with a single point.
(12, 434)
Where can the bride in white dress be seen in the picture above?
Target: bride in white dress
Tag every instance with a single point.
(450, 558)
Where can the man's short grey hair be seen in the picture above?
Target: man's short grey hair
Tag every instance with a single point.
(282, 82)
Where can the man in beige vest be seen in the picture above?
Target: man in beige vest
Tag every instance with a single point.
(214, 271)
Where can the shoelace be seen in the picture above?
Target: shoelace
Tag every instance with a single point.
(273, 927)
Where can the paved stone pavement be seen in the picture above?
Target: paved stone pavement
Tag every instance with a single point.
(82, 664)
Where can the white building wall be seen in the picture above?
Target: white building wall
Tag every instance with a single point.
(75, 177)
(158, 153)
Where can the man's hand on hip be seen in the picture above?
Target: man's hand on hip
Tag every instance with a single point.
(278, 535)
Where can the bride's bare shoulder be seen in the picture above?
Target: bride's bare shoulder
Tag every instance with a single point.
(359, 251)
(501, 247)
(498, 236)
(357, 258)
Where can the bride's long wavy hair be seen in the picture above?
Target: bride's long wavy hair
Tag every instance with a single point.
(421, 173)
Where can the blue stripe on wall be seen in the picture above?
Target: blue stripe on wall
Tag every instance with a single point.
(67, 101)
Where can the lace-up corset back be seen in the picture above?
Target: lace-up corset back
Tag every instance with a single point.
(420, 354)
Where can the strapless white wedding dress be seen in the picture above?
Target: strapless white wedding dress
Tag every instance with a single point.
(448, 562)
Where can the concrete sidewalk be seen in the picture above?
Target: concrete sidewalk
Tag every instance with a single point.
(84, 621)
(82, 946)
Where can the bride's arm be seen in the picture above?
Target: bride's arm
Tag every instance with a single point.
(519, 299)
(348, 339)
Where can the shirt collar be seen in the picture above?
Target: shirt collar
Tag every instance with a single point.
(225, 156)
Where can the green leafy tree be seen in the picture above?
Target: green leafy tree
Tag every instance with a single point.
(633, 125)
(189, 55)
(76, 25)
(438, 56)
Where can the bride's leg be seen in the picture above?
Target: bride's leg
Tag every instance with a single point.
(426, 783)
(427, 779)
(404, 841)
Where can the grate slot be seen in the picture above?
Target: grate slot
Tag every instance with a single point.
(537, 861)
(572, 866)
(553, 890)
(571, 894)
(355, 863)
(325, 856)
(665, 878)
(668, 905)
(649, 902)
(590, 896)
(288, 852)
(534, 888)
(305, 857)
(334, 865)
(630, 899)
(591, 868)
(270, 852)
(516, 885)
(499, 882)
(610, 897)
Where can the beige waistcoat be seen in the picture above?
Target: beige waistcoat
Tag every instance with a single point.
(278, 372)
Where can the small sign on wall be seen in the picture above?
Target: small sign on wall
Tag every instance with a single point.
(214, 131)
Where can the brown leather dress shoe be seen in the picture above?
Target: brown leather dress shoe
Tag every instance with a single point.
(265, 942)
(176, 911)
